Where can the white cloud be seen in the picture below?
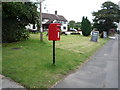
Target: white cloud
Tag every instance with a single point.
(74, 9)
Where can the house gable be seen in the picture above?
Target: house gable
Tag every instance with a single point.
(52, 17)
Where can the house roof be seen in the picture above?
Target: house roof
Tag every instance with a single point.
(53, 17)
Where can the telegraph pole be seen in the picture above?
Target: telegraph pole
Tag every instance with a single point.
(40, 18)
(41, 30)
(119, 19)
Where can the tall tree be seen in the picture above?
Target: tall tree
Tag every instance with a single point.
(105, 18)
(77, 25)
(15, 16)
(85, 26)
(71, 24)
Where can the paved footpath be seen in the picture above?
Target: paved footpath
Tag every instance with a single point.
(8, 83)
(99, 72)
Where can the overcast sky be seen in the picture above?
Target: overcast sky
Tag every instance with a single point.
(74, 9)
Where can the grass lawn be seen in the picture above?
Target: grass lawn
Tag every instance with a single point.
(30, 62)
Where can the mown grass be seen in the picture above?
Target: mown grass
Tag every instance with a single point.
(31, 63)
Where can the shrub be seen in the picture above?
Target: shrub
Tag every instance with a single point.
(16, 15)
(86, 27)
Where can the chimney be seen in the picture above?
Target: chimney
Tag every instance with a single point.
(55, 12)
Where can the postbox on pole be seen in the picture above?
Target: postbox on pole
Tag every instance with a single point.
(54, 35)
(54, 32)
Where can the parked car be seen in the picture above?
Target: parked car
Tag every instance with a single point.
(72, 29)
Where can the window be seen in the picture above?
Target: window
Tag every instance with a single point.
(64, 27)
(64, 22)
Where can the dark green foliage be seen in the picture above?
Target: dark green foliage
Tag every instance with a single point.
(77, 25)
(105, 18)
(73, 24)
(15, 16)
(85, 26)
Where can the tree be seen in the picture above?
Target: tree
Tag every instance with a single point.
(77, 25)
(16, 15)
(73, 24)
(105, 18)
(85, 26)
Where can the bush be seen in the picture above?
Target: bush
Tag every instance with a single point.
(86, 27)
(12, 32)
(16, 15)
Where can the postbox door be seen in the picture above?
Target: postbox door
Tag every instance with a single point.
(54, 32)
(58, 32)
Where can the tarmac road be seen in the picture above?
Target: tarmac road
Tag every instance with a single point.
(99, 72)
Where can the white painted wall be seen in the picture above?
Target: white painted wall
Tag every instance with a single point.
(64, 25)
(45, 21)
(30, 26)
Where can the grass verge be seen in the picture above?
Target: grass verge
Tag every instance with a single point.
(30, 62)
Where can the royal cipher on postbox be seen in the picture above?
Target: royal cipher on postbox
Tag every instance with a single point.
(54, 31)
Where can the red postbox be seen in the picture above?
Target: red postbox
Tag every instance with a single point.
(54, 32)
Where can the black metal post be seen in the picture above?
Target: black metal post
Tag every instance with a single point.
(53, 52)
